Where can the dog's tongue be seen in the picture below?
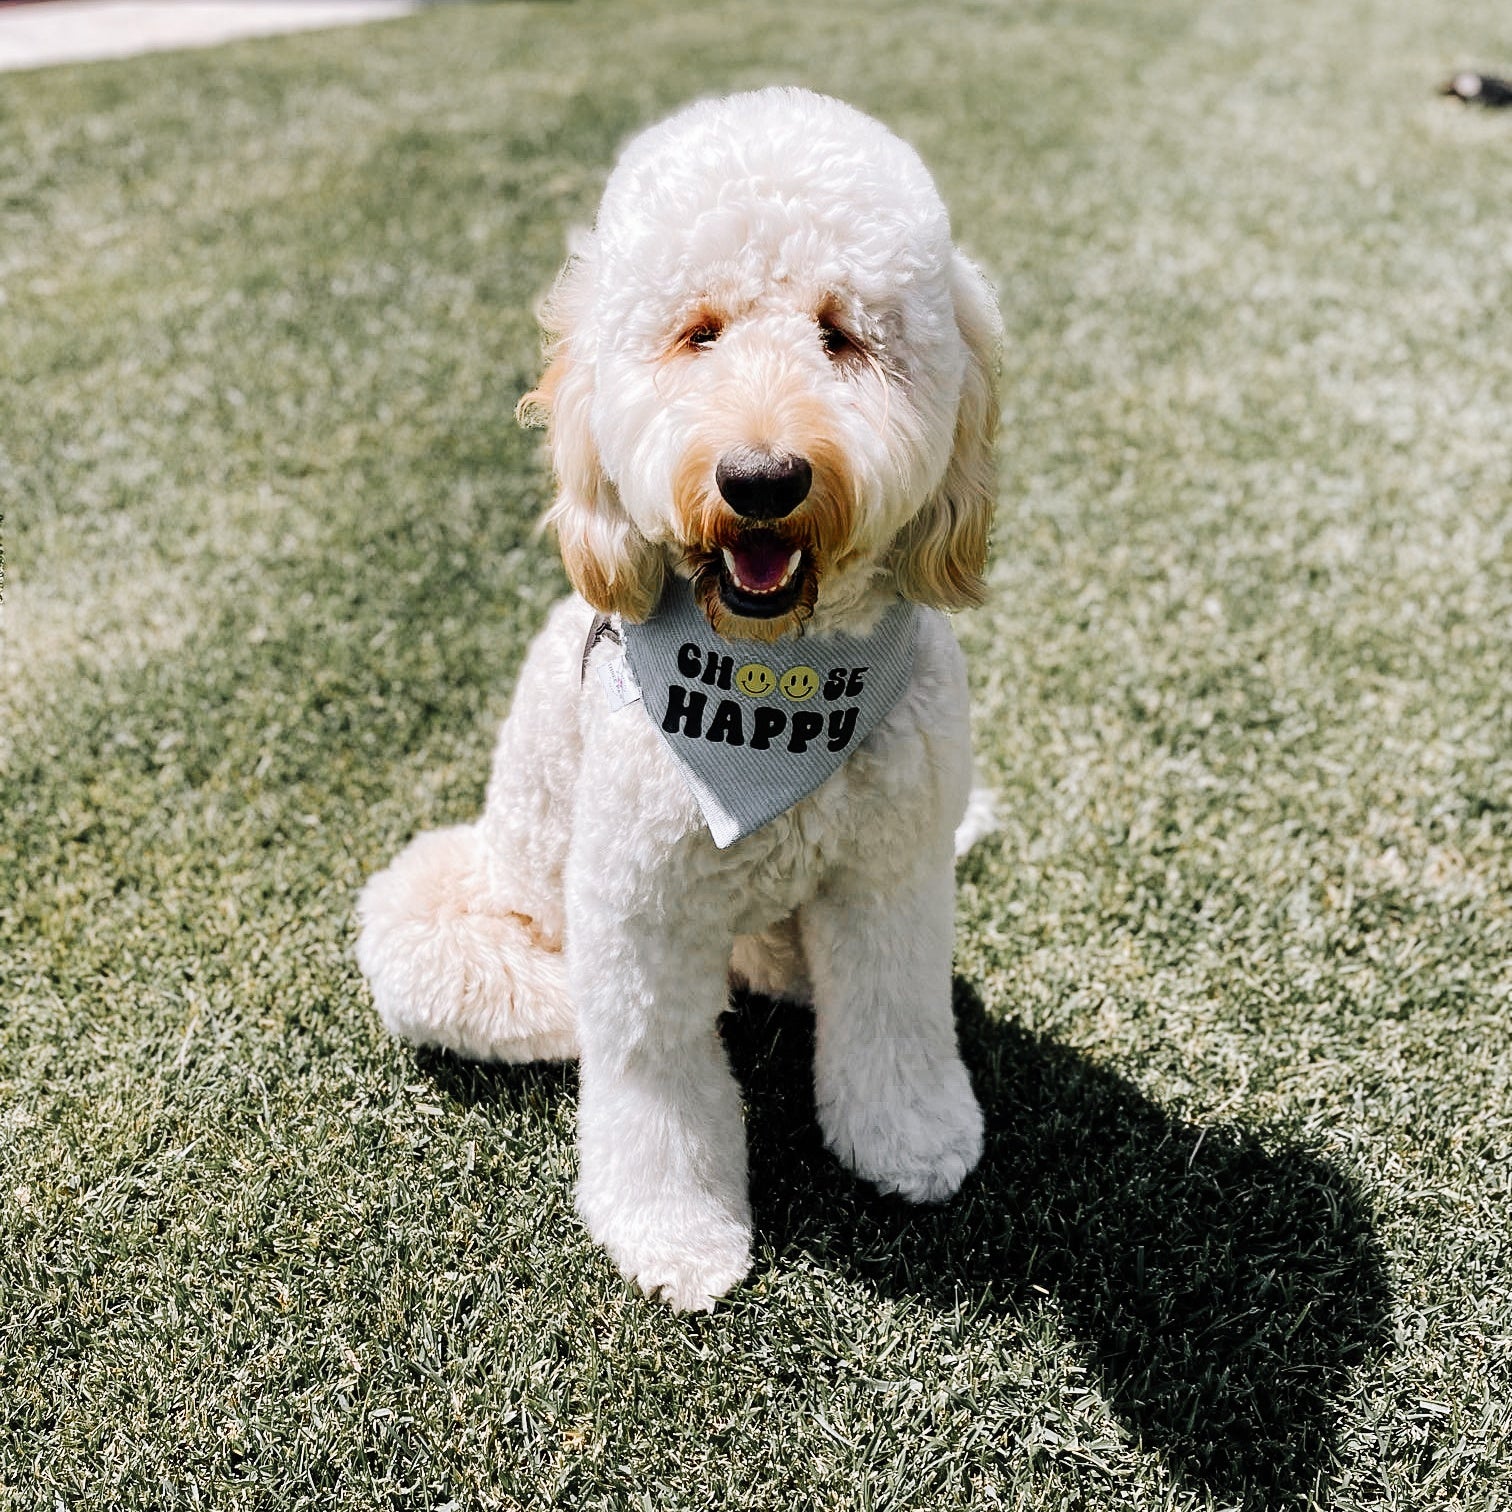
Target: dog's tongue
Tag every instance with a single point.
(760, 565)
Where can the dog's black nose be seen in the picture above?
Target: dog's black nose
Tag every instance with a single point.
(762, 485)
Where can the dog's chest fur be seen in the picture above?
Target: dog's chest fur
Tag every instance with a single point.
(881, 809)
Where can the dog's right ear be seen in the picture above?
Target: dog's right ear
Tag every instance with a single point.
(607, 559)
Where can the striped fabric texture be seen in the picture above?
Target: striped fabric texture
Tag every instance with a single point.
(756, 727)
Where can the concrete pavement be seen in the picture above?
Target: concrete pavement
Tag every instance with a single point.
(73, 31)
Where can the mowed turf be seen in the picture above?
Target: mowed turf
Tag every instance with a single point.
(1233, 979)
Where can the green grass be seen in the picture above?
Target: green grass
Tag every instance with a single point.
(1233, 980)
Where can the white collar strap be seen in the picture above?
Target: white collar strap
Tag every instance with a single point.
(755, 726)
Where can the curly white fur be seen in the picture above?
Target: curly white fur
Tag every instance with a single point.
(588, 911)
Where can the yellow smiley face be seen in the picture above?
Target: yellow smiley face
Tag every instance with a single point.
(799, 683)
(755, 679)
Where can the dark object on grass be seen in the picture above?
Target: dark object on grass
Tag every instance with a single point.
(1478, 89)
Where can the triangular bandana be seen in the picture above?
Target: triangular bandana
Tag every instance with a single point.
(756, 727)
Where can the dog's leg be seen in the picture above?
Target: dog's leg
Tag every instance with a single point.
(449, 966)
(894, 1100)
(772, 963)
(461, 934)
(662, 1182)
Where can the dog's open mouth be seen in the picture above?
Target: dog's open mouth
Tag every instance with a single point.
(761, 575)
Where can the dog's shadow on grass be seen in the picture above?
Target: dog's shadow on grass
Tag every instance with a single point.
(1224, 1292)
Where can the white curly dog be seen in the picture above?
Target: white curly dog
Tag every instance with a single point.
(771, 378)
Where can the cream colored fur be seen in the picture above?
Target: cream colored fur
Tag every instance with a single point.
(588, 912)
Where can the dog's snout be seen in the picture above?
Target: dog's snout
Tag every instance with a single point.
(763, 485)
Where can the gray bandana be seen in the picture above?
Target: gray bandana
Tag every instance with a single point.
(756, 727)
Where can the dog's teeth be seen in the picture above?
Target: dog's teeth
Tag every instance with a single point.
(786, 578)
(745, 587)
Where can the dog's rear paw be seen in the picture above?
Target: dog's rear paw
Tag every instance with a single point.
(448, 967)
(980, 818)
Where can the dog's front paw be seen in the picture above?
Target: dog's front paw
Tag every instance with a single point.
(689, 1261)
(919, 1136)
(694, 1281)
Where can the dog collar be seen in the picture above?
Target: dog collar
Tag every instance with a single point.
(754, 727)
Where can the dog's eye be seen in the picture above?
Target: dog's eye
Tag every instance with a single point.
(702, 336)
(837, 343)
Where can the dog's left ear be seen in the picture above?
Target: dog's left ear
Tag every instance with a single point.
(940, 555)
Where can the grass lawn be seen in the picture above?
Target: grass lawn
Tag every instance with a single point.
(1233, 980)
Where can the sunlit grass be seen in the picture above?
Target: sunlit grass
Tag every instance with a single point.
(1233, 980)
